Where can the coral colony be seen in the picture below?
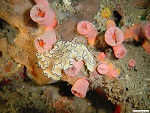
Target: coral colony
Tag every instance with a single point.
(69, 57)
(53, 59)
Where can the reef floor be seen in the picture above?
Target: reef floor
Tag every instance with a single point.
(131, 90)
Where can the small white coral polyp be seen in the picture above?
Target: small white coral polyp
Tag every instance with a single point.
(61, 57)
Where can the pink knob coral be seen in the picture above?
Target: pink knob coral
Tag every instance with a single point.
(114, 36)
(99, 69)
(132, 63)
(45, 41)
(102, 68)
(120, 51)
(80, 87)
(101, 56)
(77, 65)
(43, 15)
(110, 23)
(88, 30)
(112, 73)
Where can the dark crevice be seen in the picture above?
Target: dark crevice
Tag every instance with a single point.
(64, 88)
(118, 17)
(99, 100)
(139, 42)
(7, 31)
(28, 21)
(1, 54)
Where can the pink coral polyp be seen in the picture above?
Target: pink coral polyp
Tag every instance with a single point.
(112, 73)
(147, 31)
(120, 51)
(88, 30)
(45, 41)
(73, 71)
(80, 87)
(114, 36)
(132, 63)
(43, 15)
(36, 13)
(102, 68)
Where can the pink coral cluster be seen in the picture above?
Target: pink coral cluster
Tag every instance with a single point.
(112, 72)
(137, 31)
(45, 16)
(80, 87)
(114, 37)
(103, 68)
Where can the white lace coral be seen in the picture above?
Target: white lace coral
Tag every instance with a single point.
(61, 57)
